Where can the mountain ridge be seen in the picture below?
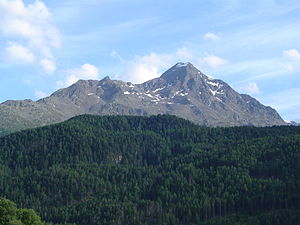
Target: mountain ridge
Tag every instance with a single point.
(182, 90)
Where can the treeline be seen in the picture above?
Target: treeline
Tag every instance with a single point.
(3, 133)
(153, 170)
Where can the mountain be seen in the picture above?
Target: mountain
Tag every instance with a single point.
(182, 91)
(292, 123)
(134, 170)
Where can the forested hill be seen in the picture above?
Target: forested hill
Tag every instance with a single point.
(153, 170)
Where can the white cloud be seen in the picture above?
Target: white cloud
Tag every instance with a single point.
(292, 54)
(40, 94)
(116, 55)
(30, 26)
(143, 68)
(117, 76)
(85, 72)
(28, 81)
(183, 54)
(147, 67)
(250, 88)
(213, 61)
(211, 36)
(18, 53)
(288, 66)
(143, 72)
(48, 65)
(291, 60)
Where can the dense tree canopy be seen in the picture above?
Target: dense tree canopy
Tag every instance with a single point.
(153, 170)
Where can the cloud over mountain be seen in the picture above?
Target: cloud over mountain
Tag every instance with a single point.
(85, 72)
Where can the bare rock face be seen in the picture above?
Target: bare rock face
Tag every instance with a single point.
(182, 91)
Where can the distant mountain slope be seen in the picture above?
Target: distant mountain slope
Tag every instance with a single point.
(292, 123)
(182, 91)
(133, 170)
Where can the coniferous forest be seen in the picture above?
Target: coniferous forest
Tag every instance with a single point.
(128, 170)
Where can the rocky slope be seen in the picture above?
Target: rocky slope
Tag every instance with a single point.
(182, 90)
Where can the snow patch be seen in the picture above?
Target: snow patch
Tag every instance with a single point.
(214, 93)
(158, 89)
(126, 93)
(212, 83)
(179, 93)
(149, 95)
(181, 64)
(89, 94)
(219, 99)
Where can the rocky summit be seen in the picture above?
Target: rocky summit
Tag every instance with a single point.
(182, 91)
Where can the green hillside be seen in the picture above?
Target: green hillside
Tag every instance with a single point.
(93, 170)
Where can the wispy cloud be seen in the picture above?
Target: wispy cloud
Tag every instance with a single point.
(284, 99)
(292, 54)
(287, 66)
(85, 72)
(48, 65)
(113, 31)
(29, 31)
(184, 54)
(116, 55)
(291, 60)
(18, 53)
(250, 88)
(286, 102)
(211, 36)
(213, 61)
(40, 94)
(257, 70)
(145, 67)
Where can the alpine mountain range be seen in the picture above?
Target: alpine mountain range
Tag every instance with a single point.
(182, 90)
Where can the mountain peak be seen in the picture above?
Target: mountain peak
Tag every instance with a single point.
(182, 64)
(106, 78)
(180, 71)
(182, 90)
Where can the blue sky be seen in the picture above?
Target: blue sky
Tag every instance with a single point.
(252, 45)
